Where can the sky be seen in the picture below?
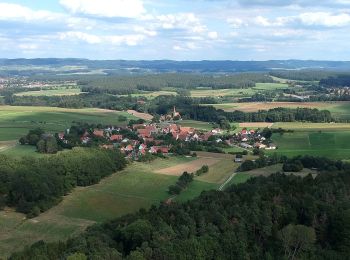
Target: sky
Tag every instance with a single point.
(176, 29)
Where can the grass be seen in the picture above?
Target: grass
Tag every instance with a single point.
(16, 121)
(332, 144)
(154, 94)
(196, 124)
(312, 127)
(51, 92)
(270, 86)
(125, 192)
(19, 151)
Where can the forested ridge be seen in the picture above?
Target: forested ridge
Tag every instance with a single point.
(118, 85)
(276, 217)
(34, 185)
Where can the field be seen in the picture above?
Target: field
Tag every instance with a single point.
(339, 109)
(312, 127)
(332, 144)
(16, 121)
(196, 124)
(238, 93)
(255, 125)
(138, 186)
(51, 92)
(154, 94)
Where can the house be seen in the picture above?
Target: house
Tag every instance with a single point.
(116, 138)
(271, 147)
(85, 139)
(144, 133)
(216, 131)
(129, 148)
(246, 146)
(61, 136)
(98, 133)
(260, 145)
(125, 140)
(187, 130)
(244, 132)
(162, 149)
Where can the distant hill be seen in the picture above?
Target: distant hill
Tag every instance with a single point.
(83, 66)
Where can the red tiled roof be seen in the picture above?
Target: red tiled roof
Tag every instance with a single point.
(99, 133)
(116, 137)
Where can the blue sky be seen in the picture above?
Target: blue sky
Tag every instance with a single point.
(176, 29)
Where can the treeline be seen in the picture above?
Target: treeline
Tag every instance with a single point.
(119, 85)
(191, 109)
(339, 81)
(79, 101)
(276, 217)
(34, 185)
(303, 75)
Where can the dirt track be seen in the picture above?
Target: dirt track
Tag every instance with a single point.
(189, 167)
(144, 116)
(256, 125)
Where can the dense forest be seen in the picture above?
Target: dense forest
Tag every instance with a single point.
(339, 81)
(276, 217)
(127, 85)
(34, 185)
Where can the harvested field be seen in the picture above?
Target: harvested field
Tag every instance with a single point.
(256, 106)
(214, 155)
(189, 167)
(144, 116)
(256, 125)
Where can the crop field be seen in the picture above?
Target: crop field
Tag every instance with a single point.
(16, 121)
(339, 109)
(247, 92)
(332, 144)
(51, 92)
(255, 125)
(138, 186)
(270, 86)
(312, 127)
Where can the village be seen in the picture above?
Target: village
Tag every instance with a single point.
(139, 139)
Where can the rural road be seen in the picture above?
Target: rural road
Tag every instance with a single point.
(227, 181)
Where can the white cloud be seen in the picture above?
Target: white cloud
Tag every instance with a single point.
(105, 8)
(148, 32)
(236, 23)
(10, 12)
(130, 40)
(28, 46)
(186, 21)
(213, 35)
(85, 37)
(325, 19)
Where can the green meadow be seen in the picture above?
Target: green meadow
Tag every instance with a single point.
(136, 187)
(332, 144)
(16, 121)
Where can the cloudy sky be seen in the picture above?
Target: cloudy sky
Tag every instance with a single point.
(176, 29)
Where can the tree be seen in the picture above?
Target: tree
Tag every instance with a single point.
(51, 145)
(297, 239)
(41, 146)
